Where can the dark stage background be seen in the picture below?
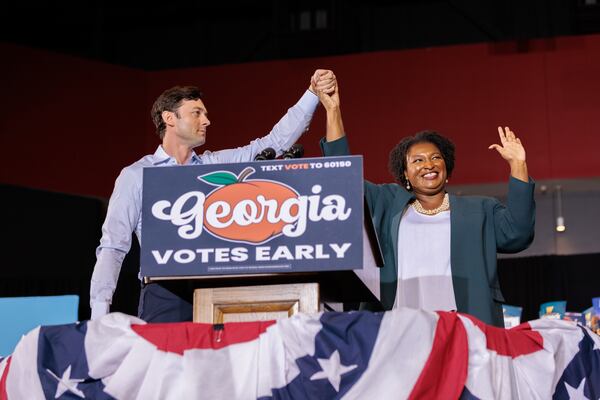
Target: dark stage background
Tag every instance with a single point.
(52, 237)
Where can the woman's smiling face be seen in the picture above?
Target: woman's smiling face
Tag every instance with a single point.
(425, 168)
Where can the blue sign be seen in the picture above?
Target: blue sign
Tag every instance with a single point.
(293, 215)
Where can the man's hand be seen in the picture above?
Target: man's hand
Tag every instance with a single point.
(513, 152)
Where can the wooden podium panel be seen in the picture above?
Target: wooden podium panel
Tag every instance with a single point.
(254, 303)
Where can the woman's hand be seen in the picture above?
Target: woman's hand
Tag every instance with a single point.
(513, 152)
(325, 86)
(322, 81)
(511, 149)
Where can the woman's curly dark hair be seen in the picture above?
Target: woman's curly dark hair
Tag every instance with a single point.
(397, 163)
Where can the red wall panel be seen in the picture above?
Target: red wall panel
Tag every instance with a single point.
(573, 82)
(70, 125)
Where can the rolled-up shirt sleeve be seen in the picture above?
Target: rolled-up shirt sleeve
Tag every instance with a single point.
(283, 135)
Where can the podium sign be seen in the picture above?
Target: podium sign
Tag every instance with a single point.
(295, 215)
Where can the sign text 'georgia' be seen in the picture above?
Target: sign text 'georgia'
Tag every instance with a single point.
(248, 210)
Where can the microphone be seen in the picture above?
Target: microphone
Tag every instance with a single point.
(296, 151)
(266, 154)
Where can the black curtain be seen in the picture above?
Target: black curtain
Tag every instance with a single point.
(531, 281)
(49, 242)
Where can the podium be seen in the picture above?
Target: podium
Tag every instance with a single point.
(261, 240)
(260, 297)
(239, 298)
(265, 297)
(254, 303)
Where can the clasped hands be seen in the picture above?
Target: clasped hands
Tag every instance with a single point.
(324, 84)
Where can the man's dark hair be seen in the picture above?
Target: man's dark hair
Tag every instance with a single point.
(398, 155)
(170, 100)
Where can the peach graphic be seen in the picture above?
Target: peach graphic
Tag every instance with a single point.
(235, 189)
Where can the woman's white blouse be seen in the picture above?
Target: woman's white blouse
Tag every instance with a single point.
(424, 271)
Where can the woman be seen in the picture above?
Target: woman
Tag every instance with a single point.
(440, 250)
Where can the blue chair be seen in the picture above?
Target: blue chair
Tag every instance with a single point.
(19, 315)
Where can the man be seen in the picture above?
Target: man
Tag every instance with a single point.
(181, 121)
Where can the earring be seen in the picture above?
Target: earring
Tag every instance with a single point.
(407, 185)
(446, 180)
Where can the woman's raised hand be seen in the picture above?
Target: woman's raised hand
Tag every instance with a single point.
(511, 148)
(513, 152)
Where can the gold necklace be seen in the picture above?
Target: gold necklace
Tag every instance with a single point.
(445, 206)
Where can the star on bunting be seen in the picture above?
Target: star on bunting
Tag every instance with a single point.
(66, 383)
(332, 369)
(576, 393)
